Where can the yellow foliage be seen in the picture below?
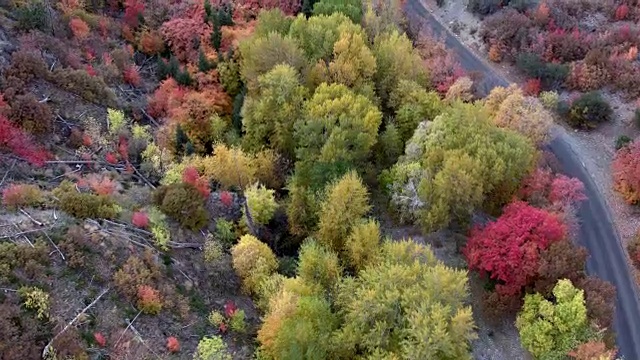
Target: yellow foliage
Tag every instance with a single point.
(460, 90)
(253, 261)
(497, 96)
(524, 115)
(281, 307)
(363, 245)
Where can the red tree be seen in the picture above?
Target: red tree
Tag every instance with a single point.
(551, 191)
(79, 28)
(622, 12)
(132, 10)
(16, 141)
(508, 250)
(191, 176)
(626, 172)
(131, 75)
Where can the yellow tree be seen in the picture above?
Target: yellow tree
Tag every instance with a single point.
(525, 115)
(353, 63)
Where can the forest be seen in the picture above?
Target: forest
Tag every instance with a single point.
(211, 179)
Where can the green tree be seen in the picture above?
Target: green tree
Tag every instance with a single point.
(261, 203)
(396, 60)
(272, 20)
(346, 204)
(550, 330)
(253, 261)
(317, 34)
(268, 115)
(405, 308)
(363, 245)
(337, 132)
(412, 105)
(353, 63)
(319, 268)
(261, 53)
(350, 8)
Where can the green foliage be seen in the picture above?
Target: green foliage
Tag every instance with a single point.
(397, 60)
(213, 251)
(589, 110)
(84, 205)
(337, 132)
(389, 146)
(159, 228)
(21, 262)
(212, 348)
(549, 330)
(302, 208)
(205, 64)
(237, 321)
(346, 204)
(363, 245)
(37, 300)
(229, 75)
(184, 203)
(32, 15)
(116, 121)
(268, 289)
(622, 141)
(268, 115)
(225, 232)
(549, 99)
(319, 268)
(551, 75)
(216, 36)
(350, 8)
(466, 162)
(318, 34)
(253, 261)
(353, 63)
(418, 306)
(413, 104)
(216, 318)
(261, 203)
(303, 332)
(261, 54)
(272, 20)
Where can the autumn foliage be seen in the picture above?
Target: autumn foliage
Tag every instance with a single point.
(626, 173)
(20, 144)
(140, 219)
(173, 345)
(191, 176)
(508, 250)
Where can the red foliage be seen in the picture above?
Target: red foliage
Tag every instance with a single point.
(552, 192)
(20, 144)
(226, 198)
(140, 219)
(191, 176)
(132, 9)
(131, 75)
(626, 172)
(101, 185)
(100, 339)
(173, 345)
(508, 250)
(111, 158)
(230, 308)
(532, 87)
(90, 70)
(182, 33)
(104, 27)
(79, 28)
(622, 12)
(17, 195)
(289, 7)
(123, 148)
(151, 42)
(166, 96)
(149, 299)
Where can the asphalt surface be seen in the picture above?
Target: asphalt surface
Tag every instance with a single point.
(597, 233)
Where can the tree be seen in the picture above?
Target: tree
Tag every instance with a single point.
(561, 260)
(598, 294)
(319, 268)
(396, 60)
(253, 261)
(524, 115)
(491, 161)
(589, 110)
(346, 204)
(268, 115)
(273, 20)
(351, 8)
(261, 203)
(413, 104)
(508, 250)
(626, 172)
(549, 330)
(363, 245)
(405, 308)
(318, 34)
(593, 350)
(260, 54)
(353, 63)
(337, 132)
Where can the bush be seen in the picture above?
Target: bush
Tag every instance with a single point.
(622, 141)
(32, 15)
(225, 231)
(134, 274)
(37, 300)
(549, 99)
(90, 88)
(634, 251)
(589, 110)
(261, 203)
(173, 345)
(253, 261)
(551, 75)
(32, 116)
(19, 195)
(626, 179)
(149, 301)
(363, 245)
(83, 205)
(212, 348)
(184, 203)
(484, 7)
(319, 268)
(237, 321)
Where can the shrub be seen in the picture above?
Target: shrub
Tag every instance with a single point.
(159, 228)
(184, 203)
(134, 274)
(83, 205)
(20, 195)
(212, 251)
(173, 345)
(149, 301)
(35, 299)
(225, 232)
(32, 15)
(191, 176)
(212, 348)
(484, 7)
(79, 28)
(622, 141)
(261, 203)
(551, 75)
(15, 140)
(32, 116)
(319, 268)
(100, 339)
(589, 110)
(549, 99)
(90, 88)
(237, 321)
(253, 261)
(273, 20)
(217, 319)
(140, 219)
(131, 75)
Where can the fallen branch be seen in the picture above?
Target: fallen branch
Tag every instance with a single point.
(46, 348)
(8, 171)
(31, 218)
(11, 290)
(150, 118)
(23, 235)
(129, 324)
(55, 246)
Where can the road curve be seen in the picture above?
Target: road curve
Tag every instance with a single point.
(597, 233)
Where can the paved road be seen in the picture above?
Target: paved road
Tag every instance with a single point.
(607, 259)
